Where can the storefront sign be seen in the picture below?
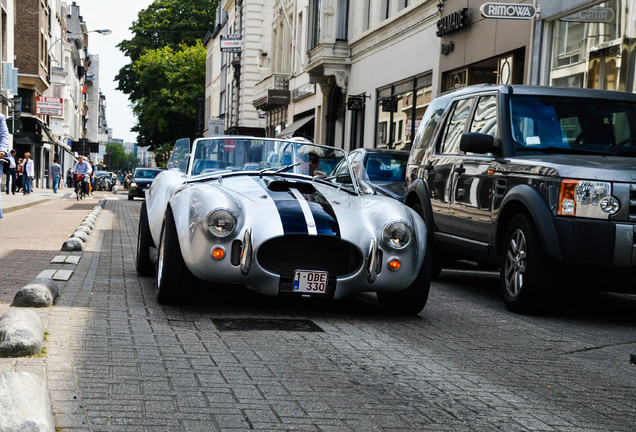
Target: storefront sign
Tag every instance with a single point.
(453, 22)
(355, 103)
(448, 48)
(592, 15)
(508, 11)
(231, 43)
(49, 106)
(303, 91)
(9, 77)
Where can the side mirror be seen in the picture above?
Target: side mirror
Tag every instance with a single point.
(477, 143)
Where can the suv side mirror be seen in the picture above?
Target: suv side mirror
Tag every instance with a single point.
(477, 143)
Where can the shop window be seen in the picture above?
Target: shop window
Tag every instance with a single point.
(401, 106)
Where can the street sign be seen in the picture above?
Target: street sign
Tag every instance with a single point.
(508, 11)
(49, 106)
(231, 43)
(229, 145)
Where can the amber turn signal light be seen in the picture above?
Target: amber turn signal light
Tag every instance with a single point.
(218, 253)
(395, 264)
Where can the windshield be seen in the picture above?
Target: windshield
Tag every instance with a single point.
(146, 174)
(573, 125)
(213, 157)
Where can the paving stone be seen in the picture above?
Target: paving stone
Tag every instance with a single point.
(59, 259)
(62, 275)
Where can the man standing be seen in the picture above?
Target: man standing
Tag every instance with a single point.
(11, 172)
(28, 172)
(56, 173)
(4, 143)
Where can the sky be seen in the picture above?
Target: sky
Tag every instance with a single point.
(118, 16)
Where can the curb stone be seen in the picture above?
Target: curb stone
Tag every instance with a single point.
(21, 333)
(40, 292)
(25, 402)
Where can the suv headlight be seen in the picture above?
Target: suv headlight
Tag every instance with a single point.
(397, 235)
(587, 198)
(221, 223)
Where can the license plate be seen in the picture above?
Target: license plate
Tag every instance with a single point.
(313, 282)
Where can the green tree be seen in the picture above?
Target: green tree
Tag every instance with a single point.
(116, 156)
(165, 27)
(174, 80)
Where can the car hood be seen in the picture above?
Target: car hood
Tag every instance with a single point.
(300, 203)
(607, 168)
(143, 182)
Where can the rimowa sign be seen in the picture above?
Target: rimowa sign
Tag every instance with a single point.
(508, 11)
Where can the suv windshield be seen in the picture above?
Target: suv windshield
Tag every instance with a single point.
(213, 157)
(573, 125)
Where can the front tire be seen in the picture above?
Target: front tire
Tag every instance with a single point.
(173, 276)
(412, 299)
(143, 263)
(526, 273)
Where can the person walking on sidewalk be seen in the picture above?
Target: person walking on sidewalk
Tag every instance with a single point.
(19, 175)
(4, 145)
(56, 174)
(11, 172)
(27, 173)
(69, 178)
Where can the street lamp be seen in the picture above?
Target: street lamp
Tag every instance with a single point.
(100, 31)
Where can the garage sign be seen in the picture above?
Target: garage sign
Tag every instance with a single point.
(508, 11)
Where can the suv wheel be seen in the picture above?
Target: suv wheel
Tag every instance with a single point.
(526, 272)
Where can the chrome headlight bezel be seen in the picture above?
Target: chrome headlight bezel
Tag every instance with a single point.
(221, 222)
(397, 234)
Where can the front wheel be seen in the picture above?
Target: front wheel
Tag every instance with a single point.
(412, 299)
(526, 273)
(173, 276)
(143, 263)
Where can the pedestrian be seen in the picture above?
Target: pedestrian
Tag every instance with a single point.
(69, 178)
(11, 172)
(19, 183)
(4, 145)
(56, 173)
(93, 176)
(28, 172)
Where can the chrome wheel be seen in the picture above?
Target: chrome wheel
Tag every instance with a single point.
(515, 263)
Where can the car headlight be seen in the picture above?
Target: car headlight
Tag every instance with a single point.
(397, 235)
(221, 223)
(133, 184)
(587, 198)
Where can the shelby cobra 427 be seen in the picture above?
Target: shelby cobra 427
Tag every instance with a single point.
(283, 217)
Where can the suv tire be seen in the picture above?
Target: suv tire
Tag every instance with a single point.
(527, 274)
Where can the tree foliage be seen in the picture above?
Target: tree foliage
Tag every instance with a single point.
(118, 159)
(173, 81)
(170, 32)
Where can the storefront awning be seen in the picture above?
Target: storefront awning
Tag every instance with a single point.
(289, 131)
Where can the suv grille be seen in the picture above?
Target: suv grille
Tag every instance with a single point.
(284, 255)
(632, 202)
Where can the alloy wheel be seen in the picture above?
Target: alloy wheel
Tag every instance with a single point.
(515, 264)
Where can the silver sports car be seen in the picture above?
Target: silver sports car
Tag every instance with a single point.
(283, 217)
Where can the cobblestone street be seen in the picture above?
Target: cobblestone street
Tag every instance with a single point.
(118, 361)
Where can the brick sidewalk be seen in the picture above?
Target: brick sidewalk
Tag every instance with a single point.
(32, 232)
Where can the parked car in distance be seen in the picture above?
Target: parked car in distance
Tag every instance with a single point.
(539, 181)
(385, 170)
(294, 227)
(142, 178)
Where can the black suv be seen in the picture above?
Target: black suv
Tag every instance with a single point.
(540, 181)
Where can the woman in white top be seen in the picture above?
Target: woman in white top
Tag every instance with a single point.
(27, 173)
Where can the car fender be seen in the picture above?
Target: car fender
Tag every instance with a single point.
(418, 193)
(162, 188)
(536, 206)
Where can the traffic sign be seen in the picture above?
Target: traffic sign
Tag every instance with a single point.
(229, 145)
(508, 10)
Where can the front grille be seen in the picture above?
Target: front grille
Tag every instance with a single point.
(632, 202)
(284, 255)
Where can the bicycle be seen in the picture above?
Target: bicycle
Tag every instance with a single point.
(80, 191)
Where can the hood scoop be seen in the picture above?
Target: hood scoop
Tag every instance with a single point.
(286, 186)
